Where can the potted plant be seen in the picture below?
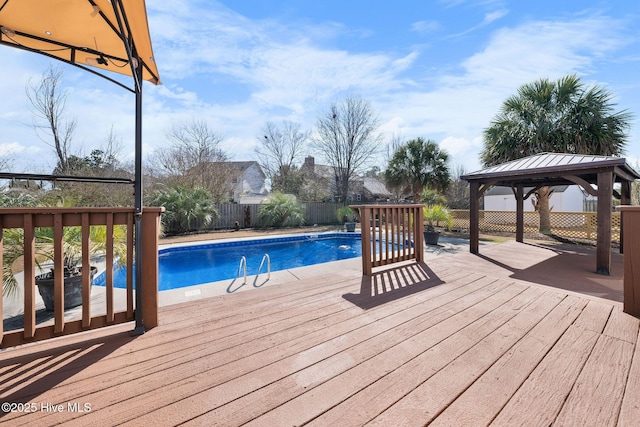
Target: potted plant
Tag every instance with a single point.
(72, 284)
(433, 216)
(346, 215)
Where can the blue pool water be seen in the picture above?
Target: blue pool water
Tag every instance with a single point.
(193, 265)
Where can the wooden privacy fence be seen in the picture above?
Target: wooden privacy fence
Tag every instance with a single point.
(116, 305)
(390, 234)
(579, 225)
(247, 216)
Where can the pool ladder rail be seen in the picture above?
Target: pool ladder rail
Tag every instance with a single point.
(243, 267)
(243, 263)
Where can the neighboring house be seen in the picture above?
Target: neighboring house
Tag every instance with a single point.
(565, 198)
(362, 189)
(370, 189)
(247, 181)
(319, 179)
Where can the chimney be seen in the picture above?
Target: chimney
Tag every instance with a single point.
(309, 162)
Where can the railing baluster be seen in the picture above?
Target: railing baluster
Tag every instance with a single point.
(376, 222)
(58, 273)
(389, 249)
(29, 277)
(86, 266)
(394, 232)
(109, 268)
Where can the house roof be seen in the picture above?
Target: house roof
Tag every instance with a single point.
(243, 166)
(323, 171)
(552, 169)
(375, 186)
(88, 34)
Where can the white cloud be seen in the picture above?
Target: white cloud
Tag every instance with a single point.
(494, 16)
(11, 148)
(425, 27)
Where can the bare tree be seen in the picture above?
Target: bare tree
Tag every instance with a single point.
(278, 151)
(6, 162)
(111, 149)
(49, 103)
(195, 158)
(458, 191)
(347, 138)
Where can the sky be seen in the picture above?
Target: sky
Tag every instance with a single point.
(437, 69)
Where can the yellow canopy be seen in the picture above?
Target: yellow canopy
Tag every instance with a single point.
(89, 33)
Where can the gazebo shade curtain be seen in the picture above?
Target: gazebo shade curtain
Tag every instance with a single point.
(86, 33)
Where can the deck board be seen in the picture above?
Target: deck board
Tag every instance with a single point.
(462, 340)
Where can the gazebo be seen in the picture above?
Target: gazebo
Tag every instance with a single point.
(550, 169)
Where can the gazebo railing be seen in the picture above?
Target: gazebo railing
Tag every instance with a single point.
(390, 234)
(111, 305)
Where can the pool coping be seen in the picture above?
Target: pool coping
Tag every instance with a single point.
(262, 239)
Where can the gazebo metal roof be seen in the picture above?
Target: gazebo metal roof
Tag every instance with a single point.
(552, 169)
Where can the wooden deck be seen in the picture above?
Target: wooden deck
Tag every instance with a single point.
(462, 340)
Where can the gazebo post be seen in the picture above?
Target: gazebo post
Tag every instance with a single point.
(519, 213)
(603, 244)
(474, 217)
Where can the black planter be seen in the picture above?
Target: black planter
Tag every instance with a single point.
(431, 237)
(350, 226)
(72, 288)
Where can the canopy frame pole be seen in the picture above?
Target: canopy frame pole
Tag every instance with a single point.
(137, 186)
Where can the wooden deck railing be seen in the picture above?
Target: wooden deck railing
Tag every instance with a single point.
(631, 244)
(390, 234)
(29, 219)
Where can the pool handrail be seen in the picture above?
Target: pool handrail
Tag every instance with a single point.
(243, 261)
(266, 256)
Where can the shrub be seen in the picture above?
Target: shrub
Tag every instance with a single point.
(281, 210)
(187, 208)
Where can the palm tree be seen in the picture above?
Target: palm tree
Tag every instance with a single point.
(559, 117)
(417, 165)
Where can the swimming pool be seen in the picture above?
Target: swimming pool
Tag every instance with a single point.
(183, 266)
